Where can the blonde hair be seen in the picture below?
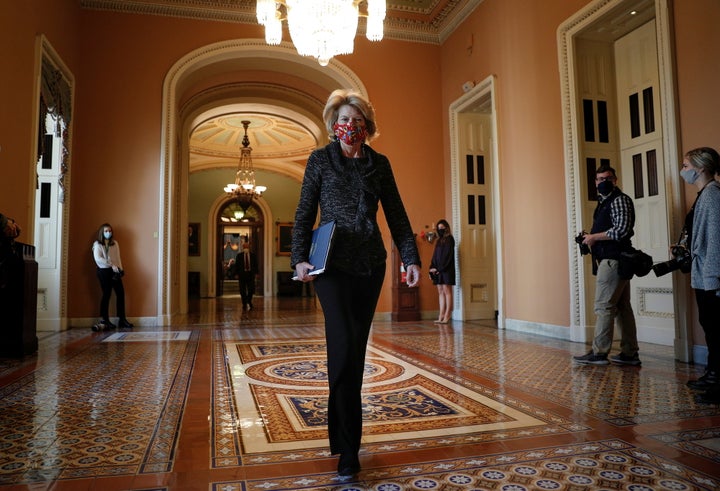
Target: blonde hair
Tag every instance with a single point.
(346, 97)
(705, 158)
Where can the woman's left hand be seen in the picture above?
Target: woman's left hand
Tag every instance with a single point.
(413, 275)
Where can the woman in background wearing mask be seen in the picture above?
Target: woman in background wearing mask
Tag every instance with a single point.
(347, 180)
(442, 270)
(106, 252)
(702, 224)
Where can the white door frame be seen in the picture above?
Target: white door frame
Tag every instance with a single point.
(485, 90)
(55, 320)
(579, 329)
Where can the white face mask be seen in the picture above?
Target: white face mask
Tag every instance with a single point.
(107, 235)
(690, 175)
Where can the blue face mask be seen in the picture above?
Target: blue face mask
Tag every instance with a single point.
(690, 175)
(107, 235)
(605, 188)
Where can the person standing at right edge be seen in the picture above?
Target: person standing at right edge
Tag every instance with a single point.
(612, 228)
(442, 270)
(347, 180)
(702, 223)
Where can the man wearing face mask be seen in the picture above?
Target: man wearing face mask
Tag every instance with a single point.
(613, 223)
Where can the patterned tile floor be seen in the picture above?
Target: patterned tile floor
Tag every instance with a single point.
(227, 401)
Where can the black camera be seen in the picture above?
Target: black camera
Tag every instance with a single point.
(682, 260)
(584, 248)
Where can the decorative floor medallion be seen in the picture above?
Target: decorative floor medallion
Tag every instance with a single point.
(279, 397)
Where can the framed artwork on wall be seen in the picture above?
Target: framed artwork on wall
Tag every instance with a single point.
(193, 239)
(284, 238)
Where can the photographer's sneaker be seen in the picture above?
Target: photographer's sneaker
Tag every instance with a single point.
(591, 359)
(623, 359)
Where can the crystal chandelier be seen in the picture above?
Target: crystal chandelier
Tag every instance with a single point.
(321, 28)
(244, 190)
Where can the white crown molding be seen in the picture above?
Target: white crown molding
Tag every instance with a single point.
(400, 28)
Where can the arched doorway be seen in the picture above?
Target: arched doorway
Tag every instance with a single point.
(234, 227)
(185, 96)
(599, 119)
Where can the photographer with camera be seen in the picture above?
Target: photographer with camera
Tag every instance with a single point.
(702, 224)
(613, 222)
(106, 253)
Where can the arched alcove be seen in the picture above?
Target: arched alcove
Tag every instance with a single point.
(203, 81)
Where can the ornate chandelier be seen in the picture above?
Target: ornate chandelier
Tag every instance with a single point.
(321, 28)
(244, 190)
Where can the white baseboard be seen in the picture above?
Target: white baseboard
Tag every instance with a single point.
(550, 330)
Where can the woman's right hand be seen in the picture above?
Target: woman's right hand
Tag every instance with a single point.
(302, 270)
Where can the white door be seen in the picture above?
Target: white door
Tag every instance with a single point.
(476, 249)
(48, 224)
(643, 178)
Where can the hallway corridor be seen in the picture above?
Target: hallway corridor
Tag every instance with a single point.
(224, 400)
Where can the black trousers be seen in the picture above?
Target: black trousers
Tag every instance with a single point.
(108, 284)
(709, 313)
(246, 281)
(348, 304)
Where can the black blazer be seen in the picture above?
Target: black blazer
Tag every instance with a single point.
(240, 263)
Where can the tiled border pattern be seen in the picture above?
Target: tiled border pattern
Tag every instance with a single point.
(97, 437)
(645, 395)
(611, 464)
(688, 441)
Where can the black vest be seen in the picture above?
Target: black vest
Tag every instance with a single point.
(602, 221)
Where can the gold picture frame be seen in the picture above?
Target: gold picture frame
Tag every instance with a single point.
(193, 239)
(283, 238)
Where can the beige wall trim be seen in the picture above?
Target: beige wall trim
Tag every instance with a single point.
(483, 91)
(550, 330)
(579, 328)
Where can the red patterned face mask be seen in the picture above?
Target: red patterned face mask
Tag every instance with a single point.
(349, 133)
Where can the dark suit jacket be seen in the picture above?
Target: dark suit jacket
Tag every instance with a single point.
(240, 263)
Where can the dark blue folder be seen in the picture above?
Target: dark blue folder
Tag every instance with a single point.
(322, 241)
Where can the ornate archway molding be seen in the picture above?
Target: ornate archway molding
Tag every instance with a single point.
(172, 192)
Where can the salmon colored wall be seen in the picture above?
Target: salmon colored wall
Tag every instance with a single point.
(516, 41)
(20, 22)
(403, 81)
(120, 60)
(697, 39)
(117, 156)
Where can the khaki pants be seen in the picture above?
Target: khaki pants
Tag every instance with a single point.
(612, 304)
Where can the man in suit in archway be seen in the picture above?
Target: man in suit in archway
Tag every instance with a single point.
(247, 267)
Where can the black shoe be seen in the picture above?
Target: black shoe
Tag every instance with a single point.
(707, 381)
(348, 465)
(624, 359)
(126, 324)
(709, 397)
(105, 325)
(591, 359)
